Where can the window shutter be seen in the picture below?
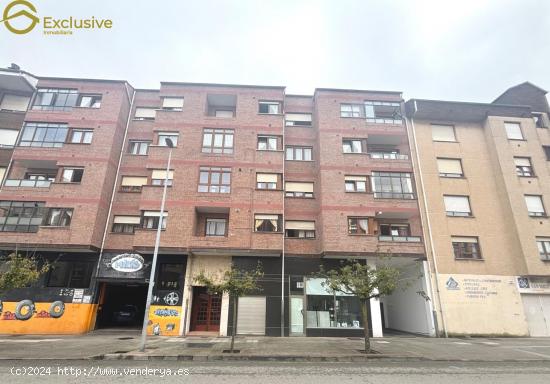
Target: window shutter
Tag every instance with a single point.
(266, 217)
(534, 204)
(127, 220)
(291, 186)
(161, 174)
(356, 178)
(306, 117)
(8, 137)
(522, 161)
(172, 102)
(457, 204)
(464, 239)
(223, 113)
(266, 177)
(133, 181)
(302, 225)
(15, 103)
(146, 113)
(154, 214)
(443, 133)
(449, 166)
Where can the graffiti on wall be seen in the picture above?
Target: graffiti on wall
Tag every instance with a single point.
(164, 321)
(26, 309)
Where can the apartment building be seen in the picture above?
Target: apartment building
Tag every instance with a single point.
(484, 184)
(292, 182)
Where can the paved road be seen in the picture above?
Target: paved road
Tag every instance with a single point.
(266, 373)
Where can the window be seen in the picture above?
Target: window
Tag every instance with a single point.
(466, 247)
(145, 113)
(224, 113)
(215, 180)
(392, 185)
(269, 143)
(298, 119)
(151, 219)
(14, 103)
(352, 110)
(70, 274)
(217, 140)
(535, 207)
(299, 189)
(55, 99)
(172, 103)
(59, 217)
(8, 137)
(395, 230)
(72, 175)
(2, 173)
(546, 150)
(354, 145)
(513, 131)
(268, 180)
(132, 183)
(358, 225)
(216, 227)
(221, 105)
(138, 147)
(386, 152)
(457, 205)
(158, 176)
(21, 216)
(300, 229)
(299, 153)
(267, 223)
(443, 133)
(523, 166)
(43, 135)
(543, 244)
(355, 183)
(126, 224)
(450, 167)
(170, 276)
(81, 136)
(383, 112)
(162, 136)
(270, 107)
(89, 101)
(541, 121)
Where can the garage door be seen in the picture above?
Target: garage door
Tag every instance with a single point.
(537, 311)
(251, 315)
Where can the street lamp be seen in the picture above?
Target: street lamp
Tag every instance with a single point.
(170, 145)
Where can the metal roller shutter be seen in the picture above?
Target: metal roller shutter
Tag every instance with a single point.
(251, 315)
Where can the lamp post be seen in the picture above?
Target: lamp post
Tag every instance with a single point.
(170, 145)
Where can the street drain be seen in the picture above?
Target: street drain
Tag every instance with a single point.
(125, 338)
(198, 345)
(229, 351)
(371, 352)
(121, 351)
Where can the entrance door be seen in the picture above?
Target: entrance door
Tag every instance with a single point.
(537, 311)
(206, 311)
(297, 316)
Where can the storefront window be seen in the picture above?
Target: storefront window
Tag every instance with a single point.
(326, 309)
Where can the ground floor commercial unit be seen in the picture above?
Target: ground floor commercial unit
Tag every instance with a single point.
(82, 292)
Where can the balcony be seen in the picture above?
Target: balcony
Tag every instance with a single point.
(222, 106)
(388, 156)
(29, 183)
(400, 239)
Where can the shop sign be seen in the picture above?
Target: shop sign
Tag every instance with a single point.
(533, 284)
(127, 263)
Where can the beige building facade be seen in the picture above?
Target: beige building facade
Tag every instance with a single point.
(483, 181)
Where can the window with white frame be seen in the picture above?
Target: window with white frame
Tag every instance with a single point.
(138, 147)
(158, 176)
(89, 101)
(535, 206)
(392, 185)
(267, 223)
(81, 136)
(352, 110)
(145, 113)
(132, 183)
(449, 167)
(300, 229)
(55, 99)
(383, 112)
(355, 183)
(58, 217)
(299, 189)
(151, 220)
(457, 205)
(524, 166)
(43, 135)
(269, 143)
(270, 107)
(14, 103)
(268, 180)
(299, 153)
(513, 131)
(217, 140)
(72, 175)
(126, 224)
(465, 247)
(172, 103)
(215, 180)
(162, 136)
(354, 145)
(8, 137)
(298, 119)
(358, 225)
(443, 132)
(216, 227)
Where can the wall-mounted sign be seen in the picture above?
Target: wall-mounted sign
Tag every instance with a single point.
(533, 284)
(127, 263)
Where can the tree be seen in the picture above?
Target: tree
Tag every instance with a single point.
(365, 282)
(20, 272)
(236, 283)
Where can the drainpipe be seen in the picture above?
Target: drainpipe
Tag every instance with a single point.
(283, 248)
(113, 192)
(428, 224)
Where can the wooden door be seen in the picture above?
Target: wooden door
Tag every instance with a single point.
(206, 311)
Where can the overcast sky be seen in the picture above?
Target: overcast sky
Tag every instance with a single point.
(435, 49)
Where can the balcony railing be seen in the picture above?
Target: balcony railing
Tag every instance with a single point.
(27, 183)
(381, 120)
(404, 239)
(394, 195)
(388, 156)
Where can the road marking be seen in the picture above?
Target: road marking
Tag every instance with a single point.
(382, 342)
(251, 341)
(489, 343)
(461, 343)
(534, 353)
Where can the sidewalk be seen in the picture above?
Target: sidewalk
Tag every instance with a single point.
(124, 345)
